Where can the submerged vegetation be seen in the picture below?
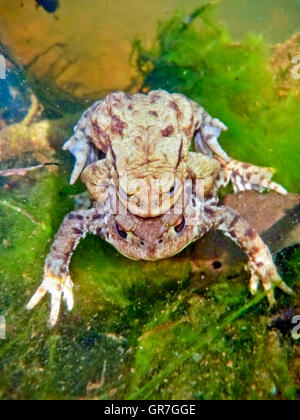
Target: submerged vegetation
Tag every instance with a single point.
(147, 330)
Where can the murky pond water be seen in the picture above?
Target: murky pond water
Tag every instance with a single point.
(89, 44)
(185, 327)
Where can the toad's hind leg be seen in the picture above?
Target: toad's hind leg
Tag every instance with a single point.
(56, 280)
(261, 263)
(245, 176)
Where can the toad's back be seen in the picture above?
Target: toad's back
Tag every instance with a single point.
(141, 128)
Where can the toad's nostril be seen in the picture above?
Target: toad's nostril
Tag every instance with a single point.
(160, 241)
(142, 243)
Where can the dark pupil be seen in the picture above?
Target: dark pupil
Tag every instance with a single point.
(121, 232)
(172, 191)
(180, 226)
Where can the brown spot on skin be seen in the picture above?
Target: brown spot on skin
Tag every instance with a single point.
(234, 222)
(94, 169)
(63, 271)
(174, 106)
(117, 126)
(235, 173)
(98, 231)
(154, 113)
(58, 287)
(138, 142)
(71, 216)
(232, 233)
(248, 176)
(209, 211)
(260, 264)
(41, 290)
(79, 217)
(99, 132)
(190, 129)
(115, 97)
(167, 131)
(262, 178)
(77, 231)
(250, 233)
(97, 216)
(154, 98)
(130, 107)
(246, 166)
(254, 250)
(94, 107)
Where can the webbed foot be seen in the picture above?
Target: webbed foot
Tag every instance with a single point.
(58, 288)
(266, 273)
(261, 264)
(57, 281)
(245, 176)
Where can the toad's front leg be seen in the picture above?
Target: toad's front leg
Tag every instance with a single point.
(207, 132)
(57, 281)
(261, 263)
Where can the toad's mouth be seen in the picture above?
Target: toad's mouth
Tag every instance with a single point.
(149, 258)
(150, 255)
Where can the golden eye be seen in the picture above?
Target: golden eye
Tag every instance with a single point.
(180, 225)
(122, 233)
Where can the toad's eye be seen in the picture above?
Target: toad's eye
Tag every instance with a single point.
(122, 233)
(180, 225)
(173, 189)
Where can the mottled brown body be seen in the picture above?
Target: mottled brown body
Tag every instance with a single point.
(146, 141)
(150, 145)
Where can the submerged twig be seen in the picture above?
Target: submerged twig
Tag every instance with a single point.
(29, 216)
(188, 20)
(23, 171)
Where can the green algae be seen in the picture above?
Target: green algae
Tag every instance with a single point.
(145, 330)
(234, 82)
(138, 330)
